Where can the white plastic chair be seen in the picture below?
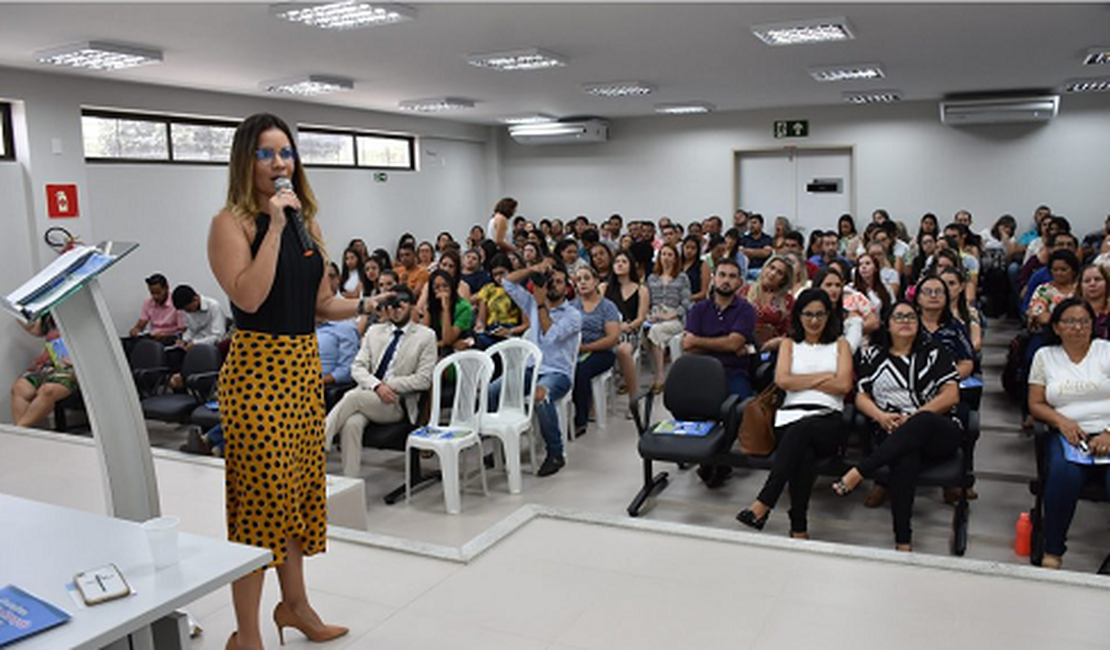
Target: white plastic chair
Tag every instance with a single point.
(473, 370)
(520, 366)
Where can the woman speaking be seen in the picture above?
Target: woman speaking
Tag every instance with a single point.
(270, 392)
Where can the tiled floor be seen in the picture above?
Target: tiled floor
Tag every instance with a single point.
(564, 585)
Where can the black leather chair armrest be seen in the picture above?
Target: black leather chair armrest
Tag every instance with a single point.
(732, 410)
(641, 415)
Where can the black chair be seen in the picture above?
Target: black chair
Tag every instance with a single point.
(148, 366)
(74, 402)
(200, 370)
(1093, 490)
(335, 392)
(696, 389)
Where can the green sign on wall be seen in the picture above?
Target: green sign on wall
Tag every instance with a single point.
(791, 128)
(381, 177)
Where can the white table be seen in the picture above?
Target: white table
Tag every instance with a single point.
(43, 546)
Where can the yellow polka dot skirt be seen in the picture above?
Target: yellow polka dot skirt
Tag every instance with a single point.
(272, 409)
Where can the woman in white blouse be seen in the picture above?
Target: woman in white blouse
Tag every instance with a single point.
(1069, 389)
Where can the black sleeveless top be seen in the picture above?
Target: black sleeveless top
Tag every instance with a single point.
(630, 307)
(291, 306)
(694, 274)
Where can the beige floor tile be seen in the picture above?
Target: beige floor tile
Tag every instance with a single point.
(374, 575)
(407, 631)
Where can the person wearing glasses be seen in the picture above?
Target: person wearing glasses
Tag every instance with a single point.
(814, 369)
(270, 388)
(909, 387)
(394, 364)
(1069, 390)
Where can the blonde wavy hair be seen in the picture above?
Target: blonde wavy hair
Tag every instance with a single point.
(778, 297)
(242, 199)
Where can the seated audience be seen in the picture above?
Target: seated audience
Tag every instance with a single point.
(1041, 272)
(205, 321)
(695, 268)
(670, 297)
(1069, 390)
(734, 252)
(555, 326)
(925, 249)
(371, 271)
(394, 364)
(965, 314)
(1093, 283)
(908, 387)
(338, 343)
(847, 238)
(409, 273)
(426, 256)
(1064, 268)
(770, 296)
(756, 245)
(829, 281)
(937, 322)
(814, 369)
(449, 315)
(498, 316)
(633, 301)
(601, 259)
(866, 280)
(601, 322)
(351, 281)
(48, 380)
(566, 251)
(722, 326)
(158, 318)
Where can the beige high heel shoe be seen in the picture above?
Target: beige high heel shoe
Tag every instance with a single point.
(284, 617)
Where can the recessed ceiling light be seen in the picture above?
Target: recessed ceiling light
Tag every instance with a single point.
(1088, 85)
(313, 84)
(684, 108)
(528, 118)
(531, 59)
(619, 89)
(1097, 56)
(347, 14)
(98, 55)
(873, 97)
(800, 32)
(852, 72)
(436, 104)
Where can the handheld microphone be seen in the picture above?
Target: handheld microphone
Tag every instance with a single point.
(294, 215)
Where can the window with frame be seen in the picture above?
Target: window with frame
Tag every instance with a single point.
(116, 136)
(7, 141)
(355, 149)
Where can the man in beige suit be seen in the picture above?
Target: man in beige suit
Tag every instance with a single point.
(394, 364)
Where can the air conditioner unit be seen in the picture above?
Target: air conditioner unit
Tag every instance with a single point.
(564, 132)
(1005, 110)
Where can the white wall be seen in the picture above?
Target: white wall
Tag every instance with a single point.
(905, 161)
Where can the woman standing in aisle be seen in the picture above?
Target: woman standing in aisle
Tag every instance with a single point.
(271, 397)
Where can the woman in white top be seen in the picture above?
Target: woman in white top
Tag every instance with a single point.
(1069, 389)
(350, 282)
(498, 230)
(814, 368)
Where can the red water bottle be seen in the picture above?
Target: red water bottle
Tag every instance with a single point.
(1023, 541)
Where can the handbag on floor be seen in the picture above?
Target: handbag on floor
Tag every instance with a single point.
(757, 428)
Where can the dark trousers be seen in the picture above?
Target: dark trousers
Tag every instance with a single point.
(1062, 486)
(799, 446)
(594, 365)
(924, 437)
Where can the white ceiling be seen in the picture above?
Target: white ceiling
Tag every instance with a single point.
(688, 51)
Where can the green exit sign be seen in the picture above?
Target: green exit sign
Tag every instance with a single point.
(381, 177)
(792, 128)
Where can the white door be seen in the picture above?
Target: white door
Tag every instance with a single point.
(811, 188)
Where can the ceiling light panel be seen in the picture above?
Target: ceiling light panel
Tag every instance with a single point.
(1097, 56)
(619, 89)
(98, 55)
(531, 59)
(802, 32)
(347, 14)
(852, 72)
(873, 97)
(684, 108)
(311, 85)
(1088, 85)
(528, 118)
(436, 104)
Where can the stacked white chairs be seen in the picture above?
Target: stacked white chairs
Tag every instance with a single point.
(472, 372)
(520, 367)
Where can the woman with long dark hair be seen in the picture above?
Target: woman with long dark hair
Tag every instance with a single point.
(275, 431)
(447, 313)
(908, 386)
(352, 278)
(633, 300)
(499, 230)
(814, 369)
(695, 268)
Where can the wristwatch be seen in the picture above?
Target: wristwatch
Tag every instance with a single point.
(360, 310)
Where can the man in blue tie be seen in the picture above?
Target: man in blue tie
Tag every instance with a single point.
(393, 366)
